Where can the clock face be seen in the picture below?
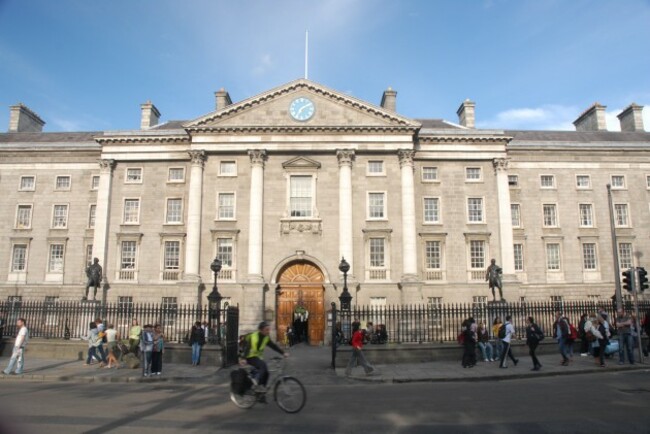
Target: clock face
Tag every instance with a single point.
(301, 109)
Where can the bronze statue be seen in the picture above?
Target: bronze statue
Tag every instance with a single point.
(493, 277)
(94, 273)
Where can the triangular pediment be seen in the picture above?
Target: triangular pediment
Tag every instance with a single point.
(301, 163)
(270, 111)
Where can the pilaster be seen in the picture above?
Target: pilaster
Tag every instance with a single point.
(193, 247)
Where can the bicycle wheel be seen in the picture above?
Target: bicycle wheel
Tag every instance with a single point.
(290, 394)
(247, 400)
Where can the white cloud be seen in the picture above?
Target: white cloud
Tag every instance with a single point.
(546, 117)
(613, 124)
(264, 64)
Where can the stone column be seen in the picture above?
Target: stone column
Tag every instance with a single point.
(409, 243)
(102, 213)
(257, 157)
(345, 157)
(193, 246)
(505, 216)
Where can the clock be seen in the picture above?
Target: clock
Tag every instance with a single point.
(301, 109)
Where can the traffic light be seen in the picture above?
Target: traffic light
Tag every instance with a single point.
(643, 279)
(628, 279)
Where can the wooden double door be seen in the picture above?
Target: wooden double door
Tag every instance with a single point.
(300, 303)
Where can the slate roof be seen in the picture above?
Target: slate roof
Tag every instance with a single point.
(578, 136)
(437, 124)
(66, 137)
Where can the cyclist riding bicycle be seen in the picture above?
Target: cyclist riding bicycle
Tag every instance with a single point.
(253, 351)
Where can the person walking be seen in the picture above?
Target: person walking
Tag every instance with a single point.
(134, 336)
(18, 353)
(112, 337)
(483, 338)
(624, 331)
(498, 345)
(507, 350)
(197, 340)
(562, 332)
(95, 346)
(357, 353)
(534, 336)
(645, 326)
(157, 353)
(469, 343)
(584, 342)
(146, 348)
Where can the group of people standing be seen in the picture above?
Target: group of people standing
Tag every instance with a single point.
(473, 336)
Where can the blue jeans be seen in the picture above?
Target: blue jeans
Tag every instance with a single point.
(627, 340)
(146, 363)
(498, 347)
(93, 351)
(16, 356)
(196, 353)
(261, 370)
(564, 348)
(486, 350)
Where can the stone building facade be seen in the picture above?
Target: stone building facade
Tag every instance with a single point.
(283, 185)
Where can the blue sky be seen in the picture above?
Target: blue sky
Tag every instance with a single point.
(88, 65)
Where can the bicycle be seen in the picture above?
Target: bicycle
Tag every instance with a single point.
(288, 392)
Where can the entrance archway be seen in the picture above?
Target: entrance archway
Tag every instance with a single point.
(300, 302)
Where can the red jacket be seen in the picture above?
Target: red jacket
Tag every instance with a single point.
(357, 339)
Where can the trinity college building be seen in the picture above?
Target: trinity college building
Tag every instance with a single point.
(282, 185)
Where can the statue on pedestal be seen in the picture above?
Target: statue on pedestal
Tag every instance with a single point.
(94, 273)
(493, 277)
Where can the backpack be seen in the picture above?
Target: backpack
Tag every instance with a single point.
(573, 333)
(502, 331)
(539, 333)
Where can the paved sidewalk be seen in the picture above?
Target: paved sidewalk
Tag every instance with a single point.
(312, 366)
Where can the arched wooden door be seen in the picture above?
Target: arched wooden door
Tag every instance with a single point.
(300, 301)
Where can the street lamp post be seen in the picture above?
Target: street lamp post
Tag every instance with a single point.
(345, 298)
(214, 300)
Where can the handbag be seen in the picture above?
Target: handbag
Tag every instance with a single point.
(590, 336)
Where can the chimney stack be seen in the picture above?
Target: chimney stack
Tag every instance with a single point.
(631, 118)
(149, 115)
(593, 119)
(466, 115)
(23, 120)
(389, 100)
(222, 99)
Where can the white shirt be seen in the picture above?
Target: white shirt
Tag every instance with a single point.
(22, 338)
(510, 330)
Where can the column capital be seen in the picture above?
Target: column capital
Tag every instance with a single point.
(405, 157)
(258, 156)
(345, 157)
(500, 164)
(198, 158)
(106, 165)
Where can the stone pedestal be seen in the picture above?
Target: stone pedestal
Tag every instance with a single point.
(411, 292)
(252, 307)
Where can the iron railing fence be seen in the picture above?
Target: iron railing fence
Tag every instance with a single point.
(441, 322)
(71, 319)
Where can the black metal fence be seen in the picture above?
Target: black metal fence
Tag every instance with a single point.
(441, 322)
(71, 319)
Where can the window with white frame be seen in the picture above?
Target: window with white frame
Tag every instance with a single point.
(376, 205)
(376, 167)
(475, 210)
(27, 183)
(513, 181)
(473, 174)
(174, 213)
(378, 308)
(589, 259)
(547, 181)
(431, 210)
(479, 302)
(92, 211)
(432, 255)
(583, 181)
(225, 245)
(171, 260)
(377, 253)
(133, 175)
(225, 251)
(24, 217)
(89, 255)
(176, 174)
(94, 182)
(515, 213)
(125, 307)
(19, 258)
(60, 217)
(227, 168)
(618, 181)
(131, 211)
(128, 259)
(621, 214)
(518, 251)
(625, 255)
(586, 215)
(55, 262)
(550, 215)
(301, 196)
(226, 206)
(553, 256)
(477, 254)
(558, 303)
(63, 183)
(169, 311)
(429, 173)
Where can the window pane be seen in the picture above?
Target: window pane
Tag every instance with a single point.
(519, 257)
(375, 167)
(176, 174)
(19, 258)
(226, 205)
(621, 214)
(513, 180)
(94, 184)
(625, 255)
(62, 182)
(24, 217)
(618, 181)
(376, 205)
(589, 256)
(300, 196)
(27, 183)
(60, 217)
(475, 209)
(473, 173)
(552, 256)
(583, 181)
(477, 254)
(133, 175)
(174, 210)
(89, 255)
(431, 210)
(228, 168)
(548, 181)
(91, 216)
(432, 254)
(131, 210)
(550, 216)
(172, 255)
(129, 250)
(377, 253)
(429, 173)
(56, 258)
(516, 215)
(224, 251)
(586, 215)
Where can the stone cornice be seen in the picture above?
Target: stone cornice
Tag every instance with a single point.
(301, 84)
(143, 139)
(463, 139)
(300, 129)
